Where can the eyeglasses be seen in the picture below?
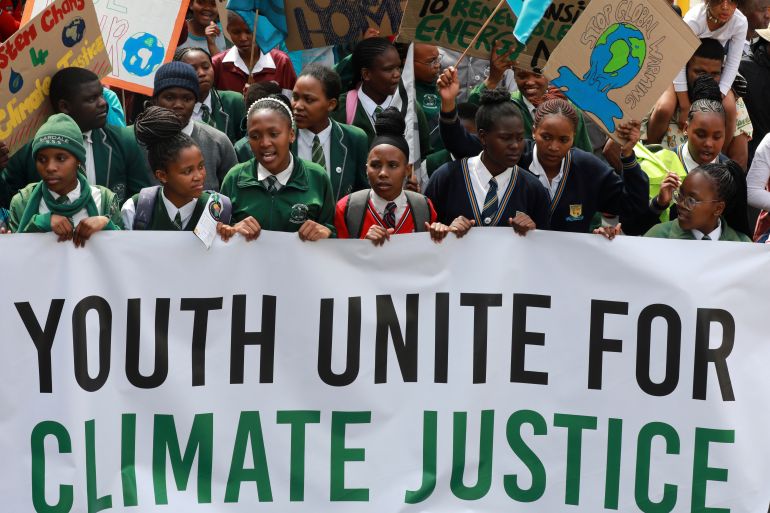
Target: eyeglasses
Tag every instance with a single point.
(688, 202)
(436, 61)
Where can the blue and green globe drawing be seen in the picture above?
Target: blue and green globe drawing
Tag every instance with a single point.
(142, 53)
(73, 32)
(615, 61)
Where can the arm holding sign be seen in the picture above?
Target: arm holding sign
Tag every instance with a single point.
(456, 138)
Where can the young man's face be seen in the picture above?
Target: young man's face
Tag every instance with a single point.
(703, 66)
(758, 15)
(87, 106)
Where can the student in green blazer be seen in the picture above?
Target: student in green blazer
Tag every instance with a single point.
(709, 197)
(276, 190)
(62, 202)
(223, 110)
(114, 159)
(377, 67)
(340, 149)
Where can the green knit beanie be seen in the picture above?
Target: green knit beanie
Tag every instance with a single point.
(60, 131)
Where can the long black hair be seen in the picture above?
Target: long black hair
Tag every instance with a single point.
(160, 131)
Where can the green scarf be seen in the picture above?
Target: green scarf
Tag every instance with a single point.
(43, 222)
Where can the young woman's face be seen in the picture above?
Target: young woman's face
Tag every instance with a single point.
(704, 214)
(202, 64)
(705, 136)
(178, 99)
(204, 11)
(553, 137)
(58, 169)
(504, 143)
(383, 76)
(184, 176)
(270, 136)
(532, 85)
(310, 105)
(241, 36)
(722, 10)
(387, 169)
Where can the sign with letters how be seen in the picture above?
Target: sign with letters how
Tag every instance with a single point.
(66, 33)
(314, 24)
(454, 23)
(553, 372)
(620, 57)
(139, 36)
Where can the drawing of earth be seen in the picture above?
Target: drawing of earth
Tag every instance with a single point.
(615, 61)
(73, 32)
(142, 53)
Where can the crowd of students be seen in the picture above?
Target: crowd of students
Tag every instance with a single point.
(323, 153)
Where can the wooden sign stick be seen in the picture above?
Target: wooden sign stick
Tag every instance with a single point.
(253, 44)
(473, 41)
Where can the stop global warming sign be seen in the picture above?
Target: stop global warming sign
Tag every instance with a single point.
(139, 36)
(619, 57)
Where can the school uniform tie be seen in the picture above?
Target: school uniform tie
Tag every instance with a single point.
(390, 215)
(205, 113)
(178, 220)
(377, 111)
(62, 200)
(270, 183)
(318, 152)
(491, 203)
(705, 237)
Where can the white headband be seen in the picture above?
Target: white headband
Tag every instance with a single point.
(273, 101)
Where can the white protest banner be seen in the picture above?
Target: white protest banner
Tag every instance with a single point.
(620, 57)
(552, 372)
(64, 34)
(139, 36)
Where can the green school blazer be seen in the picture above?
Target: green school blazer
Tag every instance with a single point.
(349, 152)
(361, 120)
(227, 113)
(120, 165)
(672, 230)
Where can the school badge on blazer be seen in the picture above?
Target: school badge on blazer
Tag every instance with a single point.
(575, 212)
(298, 214)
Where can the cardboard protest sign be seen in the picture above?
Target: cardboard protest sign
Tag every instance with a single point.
(620, 57)
(315, 24)
(64, 34)
(139, 36)
(453, 23)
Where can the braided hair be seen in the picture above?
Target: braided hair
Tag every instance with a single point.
(390, 127)
(275, 102)
(495, 104)
(730, 185)
(365, 53)
(329, 79)
(181, 53)
(556, 105)
(706, 97)
(160, 131)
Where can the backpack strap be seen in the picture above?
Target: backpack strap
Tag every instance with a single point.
(355, 212)
(351, 104)
(420, 208)
(145, 206)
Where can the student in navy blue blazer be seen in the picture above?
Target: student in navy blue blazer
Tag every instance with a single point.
(579, 184)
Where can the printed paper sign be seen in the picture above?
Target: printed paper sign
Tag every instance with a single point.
(139, 36)
(453, 24)
(66, 33)
(620, 57)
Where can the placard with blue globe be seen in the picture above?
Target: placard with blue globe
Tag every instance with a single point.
(73, 32)
(615, 61)
(142, 53)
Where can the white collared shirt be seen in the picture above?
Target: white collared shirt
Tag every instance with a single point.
(689, 162)
(128, 211)
(189, 128)
(305, 144)
(480, 177)
(73, 196)
(197, 114)
(369, 105)
(283, 176)
(89, 164)
(265, 61)
(714, 235)
(551, 186)
(380, 204)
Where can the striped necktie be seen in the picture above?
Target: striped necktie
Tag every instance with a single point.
(271, 180)
(705, 237)
(390, 215)
(318, 152)
(491, 203)
(62, 200)
(178, 220)
(377, 111)
(205, 113)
